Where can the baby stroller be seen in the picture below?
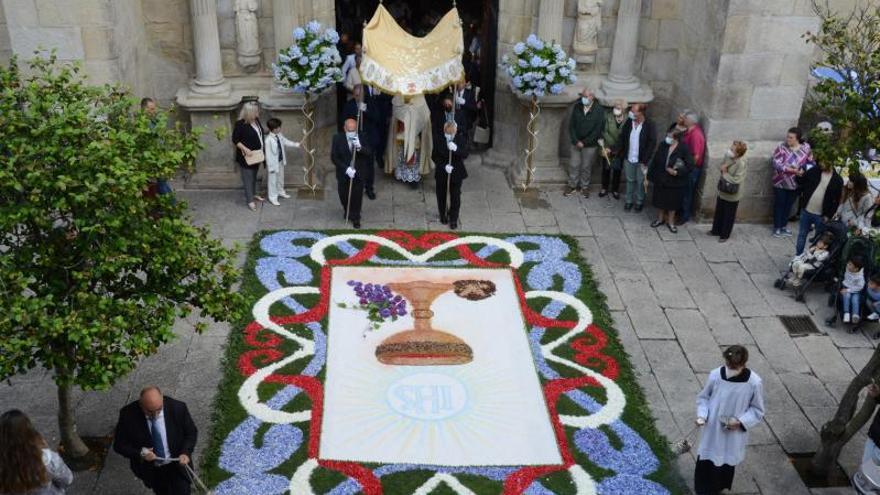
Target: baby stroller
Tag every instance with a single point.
(855, 246)
(827, 271)
(866, 480)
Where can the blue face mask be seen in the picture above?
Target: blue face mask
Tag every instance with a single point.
(585, 101)
(351, 135)
(450, 137)
(669, 140)
(631, 115)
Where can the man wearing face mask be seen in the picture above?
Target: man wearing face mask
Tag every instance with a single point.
(351, 175)
(636, 145)
(584, 129)
(450, 151)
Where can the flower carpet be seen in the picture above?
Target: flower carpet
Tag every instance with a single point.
(429, 363)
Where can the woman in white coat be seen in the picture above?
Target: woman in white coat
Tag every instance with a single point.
(730, 405)
(276, 159)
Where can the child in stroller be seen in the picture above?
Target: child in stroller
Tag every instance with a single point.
(811, 259)
(857, 260)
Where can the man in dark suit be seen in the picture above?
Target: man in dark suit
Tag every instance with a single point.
(154, 428)
(636, 145)
(375, 111)
(346, 144)
(450, 151)
(465, 98)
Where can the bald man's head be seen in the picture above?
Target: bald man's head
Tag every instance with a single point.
(351, 125)
(151, 401)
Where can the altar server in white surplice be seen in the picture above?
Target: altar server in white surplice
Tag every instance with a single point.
(730, 405)
(276, 159)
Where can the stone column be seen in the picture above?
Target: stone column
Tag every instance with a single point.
(552, 13)
(206, 46)
(621, 81)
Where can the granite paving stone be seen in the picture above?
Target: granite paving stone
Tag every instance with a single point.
(647, 317)
(827, 362)
(777, 345)
(746, 298)
(696, 340)
(668, 287)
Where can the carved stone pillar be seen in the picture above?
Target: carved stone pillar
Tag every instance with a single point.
(552, 13)
(206, 46)
(621, 81)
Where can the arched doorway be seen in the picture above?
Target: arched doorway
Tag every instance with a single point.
(479, 19)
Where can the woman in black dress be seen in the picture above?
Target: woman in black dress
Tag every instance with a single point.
(247, 136)
(668, 172)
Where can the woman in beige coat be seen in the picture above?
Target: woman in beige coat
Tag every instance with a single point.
(733, 171)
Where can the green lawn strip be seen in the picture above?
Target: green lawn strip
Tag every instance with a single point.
(228, 412)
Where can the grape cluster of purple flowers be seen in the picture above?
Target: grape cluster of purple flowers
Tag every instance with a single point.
(379, 302)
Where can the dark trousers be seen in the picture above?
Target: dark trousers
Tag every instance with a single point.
(169, 479)
(369, 177)
(611, 175)
(783, 199)
(454, 197)
(249, 181)
(357, 194)
(687, 204)
(725, 216)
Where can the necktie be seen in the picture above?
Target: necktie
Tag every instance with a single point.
(280, 149)
(158, 446)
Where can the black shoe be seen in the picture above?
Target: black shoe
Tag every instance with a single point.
(453, 225)
(444, 220)
(603, 193)
(672, 228)
(371, 195)
(615, 195)
(639, 208)
(657, 223)
(413, 185)
(357, 224)
(627, 207)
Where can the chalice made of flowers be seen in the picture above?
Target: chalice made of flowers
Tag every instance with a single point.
(424, 345)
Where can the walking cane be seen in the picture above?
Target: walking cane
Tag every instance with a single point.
(353, 156)
(449, 176)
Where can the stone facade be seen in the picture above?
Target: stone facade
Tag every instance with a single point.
(740, 63)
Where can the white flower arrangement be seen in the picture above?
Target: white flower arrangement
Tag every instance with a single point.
(312, 63)
(538, 68)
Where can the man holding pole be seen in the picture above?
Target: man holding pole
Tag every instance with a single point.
(450, 151)
(351, 158)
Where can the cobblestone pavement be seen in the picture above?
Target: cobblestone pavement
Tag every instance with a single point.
(676, 299)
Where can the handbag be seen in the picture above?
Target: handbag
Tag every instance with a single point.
(727, 187)
(482, 133)
(256, 157)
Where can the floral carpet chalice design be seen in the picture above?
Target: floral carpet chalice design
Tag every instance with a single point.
(423, 345)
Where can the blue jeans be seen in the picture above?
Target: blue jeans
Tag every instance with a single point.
(687, 205)
(873, 300)
(163, 187)
(851, 302)
(783, 199)
(807, 220)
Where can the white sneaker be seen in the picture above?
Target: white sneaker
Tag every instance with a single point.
(873, 317)
(846, 318)
(284, 195)
(855, 318)
(274, 202)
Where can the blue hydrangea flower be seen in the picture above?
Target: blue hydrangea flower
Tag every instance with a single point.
(539, 92)
(549, 77)
(522, 63)
(303, 60)
(536, 61)
(519, 48)
(299, 33)
(331, 35)
(564, 71)
(534, 42)
(313, 27)
(556, 89)
(517, 82)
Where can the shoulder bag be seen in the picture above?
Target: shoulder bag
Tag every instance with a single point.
(726, 186)
(256, 157)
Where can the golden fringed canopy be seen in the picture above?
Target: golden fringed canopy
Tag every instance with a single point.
(402, 64)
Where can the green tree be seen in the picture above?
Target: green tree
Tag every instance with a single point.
(93, 272)
(850, 46)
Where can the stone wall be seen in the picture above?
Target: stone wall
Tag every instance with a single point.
(169, 55)
(5, 46)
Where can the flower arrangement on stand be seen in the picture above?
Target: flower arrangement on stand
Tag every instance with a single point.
(309, 66)
(536, 69)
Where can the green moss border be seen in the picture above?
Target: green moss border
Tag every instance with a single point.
(228, 413)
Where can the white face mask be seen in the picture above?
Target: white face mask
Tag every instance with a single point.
(669, 140)
(351, 135)
(617, 112)
(586, 101)
(731, 154)
(450, 137)
(632, 115)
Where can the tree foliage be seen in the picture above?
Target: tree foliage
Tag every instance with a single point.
(850, 47)
(93, 272)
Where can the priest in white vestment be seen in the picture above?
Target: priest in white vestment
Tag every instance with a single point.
(408, 154)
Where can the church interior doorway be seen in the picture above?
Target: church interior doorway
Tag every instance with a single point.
(418, 17)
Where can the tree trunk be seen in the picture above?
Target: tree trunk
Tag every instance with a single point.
(73, 445)
(846, 422)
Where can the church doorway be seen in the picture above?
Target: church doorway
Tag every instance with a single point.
(418, 17)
